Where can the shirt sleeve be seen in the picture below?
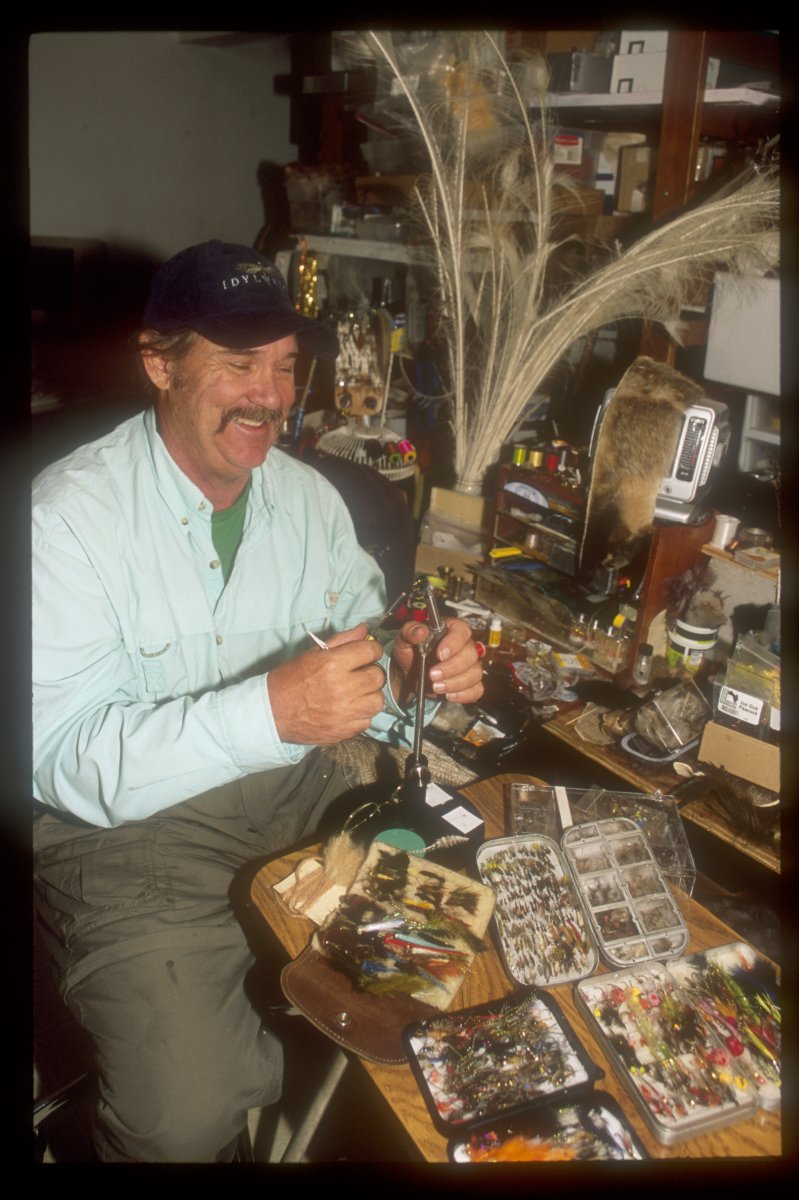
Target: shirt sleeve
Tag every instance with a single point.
(100, 751)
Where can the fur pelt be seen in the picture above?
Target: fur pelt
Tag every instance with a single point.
(635, 448)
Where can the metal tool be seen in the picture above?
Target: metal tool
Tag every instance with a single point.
(417, 775)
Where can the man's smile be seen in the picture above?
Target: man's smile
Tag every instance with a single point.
(253, 418)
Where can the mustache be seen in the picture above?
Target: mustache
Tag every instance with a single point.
(271, 416)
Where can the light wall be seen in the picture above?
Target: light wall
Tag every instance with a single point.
(150, 142)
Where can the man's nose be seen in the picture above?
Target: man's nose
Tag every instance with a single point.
(265, 390)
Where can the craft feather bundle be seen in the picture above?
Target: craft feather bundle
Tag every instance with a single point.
(493, 213)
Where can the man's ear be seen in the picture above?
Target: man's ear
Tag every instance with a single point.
(156, 364)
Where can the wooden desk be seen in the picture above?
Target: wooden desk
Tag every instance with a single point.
(757, 1137)
(644, 777)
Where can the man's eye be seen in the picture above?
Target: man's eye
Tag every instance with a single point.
(239, 366)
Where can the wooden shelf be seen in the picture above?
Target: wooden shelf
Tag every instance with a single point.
(351, 247)
(725, 556)
(652, 101)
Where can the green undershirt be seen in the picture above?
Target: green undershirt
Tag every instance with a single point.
(227, 526)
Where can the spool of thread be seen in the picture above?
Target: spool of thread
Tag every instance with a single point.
(724, 531)
(407, 450)
(519, 455)
(551, 461)
(536, 457)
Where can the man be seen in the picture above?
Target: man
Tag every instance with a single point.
(179, 563)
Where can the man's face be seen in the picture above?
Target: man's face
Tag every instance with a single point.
(222, 410)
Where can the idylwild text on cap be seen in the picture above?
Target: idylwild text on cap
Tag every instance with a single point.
(232, 296)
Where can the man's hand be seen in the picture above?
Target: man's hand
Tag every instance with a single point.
(455, 673)
(327, 696)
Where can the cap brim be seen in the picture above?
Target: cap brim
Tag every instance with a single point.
(247, 332)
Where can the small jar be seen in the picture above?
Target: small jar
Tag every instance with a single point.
(642, 668)
(495, 633)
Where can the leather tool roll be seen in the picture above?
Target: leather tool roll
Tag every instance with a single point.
(396, 949)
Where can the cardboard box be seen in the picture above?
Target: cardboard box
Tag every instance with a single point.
(744, 756)
(636, 168)
(429, 559)
(576, 152)
(643, 41)
(552, 41)
(578, 72)
(638, 73)
(743, 347)
(470, 511)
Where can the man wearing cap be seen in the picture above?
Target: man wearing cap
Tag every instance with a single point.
(178, 564)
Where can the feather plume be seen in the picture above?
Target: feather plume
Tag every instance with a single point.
(493, 212)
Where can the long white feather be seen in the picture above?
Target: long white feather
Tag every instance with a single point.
(492, 209)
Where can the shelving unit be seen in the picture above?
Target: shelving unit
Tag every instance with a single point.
(648, 105)
(362, 248)
(760, 434)
(672, 549)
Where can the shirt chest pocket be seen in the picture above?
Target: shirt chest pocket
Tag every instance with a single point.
(155, 666)
(161, 666)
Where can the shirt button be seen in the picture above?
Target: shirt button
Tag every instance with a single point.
(219, 639)
(201, 506)
(184, 520)
(214, 563)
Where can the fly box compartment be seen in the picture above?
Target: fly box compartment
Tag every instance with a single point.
(632, 913)
(543, 934)
(684, 1078)
(497, 1060)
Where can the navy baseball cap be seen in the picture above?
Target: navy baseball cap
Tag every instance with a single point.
(234, 297)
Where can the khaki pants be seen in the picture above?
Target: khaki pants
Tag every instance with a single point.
(151, 958)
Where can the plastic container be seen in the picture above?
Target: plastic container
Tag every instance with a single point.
(688, 645)
(657, 815)
(593, 1129)
(675, 718)
(632, 913)
(683, 1077)
(642, 668)
(460, 1060)
(533, 809)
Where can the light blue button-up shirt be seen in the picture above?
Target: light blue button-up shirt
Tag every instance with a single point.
(149, 672)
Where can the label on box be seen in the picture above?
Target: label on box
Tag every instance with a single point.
(567, 149)
(573, 662)
(740, 705)
(462, 820)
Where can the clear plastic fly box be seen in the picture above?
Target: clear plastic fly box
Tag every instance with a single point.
(557, 908)
(655, 814)
(696, 1041)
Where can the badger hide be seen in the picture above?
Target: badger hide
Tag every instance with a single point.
(634, 448)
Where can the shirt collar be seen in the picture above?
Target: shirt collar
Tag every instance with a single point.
(183, 497)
